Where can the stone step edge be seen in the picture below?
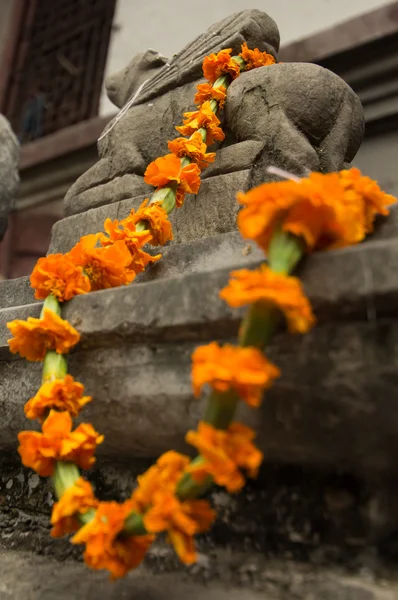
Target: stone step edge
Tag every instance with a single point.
(204, 254)
(357, 283)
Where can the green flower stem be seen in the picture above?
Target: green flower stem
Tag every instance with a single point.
(258, 326)
(285, 251)
(51, 303)
(65, 475)
(134, 525)
(188, 487)
(221, 408)
(55, 366)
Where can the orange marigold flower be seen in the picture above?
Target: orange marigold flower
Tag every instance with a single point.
(208, 92)
(375, 200)
(163, 476)
(106, 267)
(194, 148)
(202, 118)
(157, 221)
(125, 231)
(60, 394)
(168, 168)
(77, 500)
(105, 549)
(317, 208)
(255, 58)
(224, 453)
(272, 289)
(245, 370)
(40, 451)
(182, 520)
(216, 65)
(56, 274)
(33, 337)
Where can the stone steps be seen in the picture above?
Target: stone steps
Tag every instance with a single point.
(26, 575)
(339, 382)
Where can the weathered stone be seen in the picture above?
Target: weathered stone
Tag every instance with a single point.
(9, 179)
(210, 213)
(248, 577)
(15, 292)
(266, 118)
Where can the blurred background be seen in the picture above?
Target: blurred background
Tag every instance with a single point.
(54, 55)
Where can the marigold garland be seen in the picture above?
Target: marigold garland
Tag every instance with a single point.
(327, 211)
(104, 548)
(225, 453)
(204, 118)
(59, 394)
(58, 442)
(324, 211)
(167, 169)
(245, 370)
(58, 275)
(268, 288)
(33, 337)
(77, 500)
(155, 219)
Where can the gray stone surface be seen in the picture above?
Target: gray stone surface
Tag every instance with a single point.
(15, 292)
(9, 179)
(41, 578)
(208, 214)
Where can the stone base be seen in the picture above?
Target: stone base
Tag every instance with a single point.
(33, 577)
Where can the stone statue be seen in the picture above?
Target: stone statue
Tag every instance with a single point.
(9, 179)
(297, 117)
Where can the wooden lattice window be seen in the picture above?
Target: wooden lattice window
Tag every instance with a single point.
(57, 64)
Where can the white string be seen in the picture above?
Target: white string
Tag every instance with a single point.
(123, 110)
(282, 173)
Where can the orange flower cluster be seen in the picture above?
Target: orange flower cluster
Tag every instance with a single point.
(77, 500)
(156, 220)
(327, 211)
(40, 451)
(255, 59)
(225, 453)
(209, 92)
(60, 394)
(105, 547)
(163, 511)
(167, 169)
(219, 64)
(268, 288)
(244, 370)
(57, 274)
(33, 337)
(194, 148)
(100, 261)
(185, 178)
(204, 118)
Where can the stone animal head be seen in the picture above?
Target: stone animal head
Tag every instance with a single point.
(252, 26)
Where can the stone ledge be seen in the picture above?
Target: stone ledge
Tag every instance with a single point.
(334, 405)
(213, 211)
(359, 282)
(250, 577)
